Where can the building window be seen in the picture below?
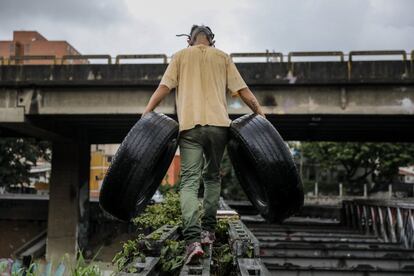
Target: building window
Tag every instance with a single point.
(12, 49)
(26, 48)
(109, 159)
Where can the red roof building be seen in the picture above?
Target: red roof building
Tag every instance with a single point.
(32, 43)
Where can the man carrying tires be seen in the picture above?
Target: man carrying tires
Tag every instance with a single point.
(201, 75)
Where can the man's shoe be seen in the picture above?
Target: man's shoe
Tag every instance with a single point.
(193, 252)
(207, 237)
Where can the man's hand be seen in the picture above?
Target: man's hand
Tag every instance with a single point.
(159, 94)
(248, 98)
(144, 113)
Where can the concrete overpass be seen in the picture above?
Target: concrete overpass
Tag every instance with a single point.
(358, 100)
(77, 105)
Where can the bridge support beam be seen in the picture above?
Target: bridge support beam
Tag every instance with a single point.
(68, 217)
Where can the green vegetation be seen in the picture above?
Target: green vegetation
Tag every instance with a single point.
(172, 257)
(157, 215)
(80, 268)
(17, 155)
(172, 253)
(131, 250)
(357, 161)
(83, 268)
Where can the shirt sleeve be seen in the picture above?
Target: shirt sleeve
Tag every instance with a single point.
(235, 81)
(170, 77)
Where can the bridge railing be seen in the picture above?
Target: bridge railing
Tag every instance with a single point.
(391, 220)
(269, 57)
(401, 53)
(86, 58)
(13, 60)
(146, 56)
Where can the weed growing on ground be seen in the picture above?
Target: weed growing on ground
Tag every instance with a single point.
(130, 251)
(157, 215)
(172, 257)
(172, 253)
(82, 268)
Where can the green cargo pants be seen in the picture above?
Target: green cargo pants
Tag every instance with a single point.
(210, 141)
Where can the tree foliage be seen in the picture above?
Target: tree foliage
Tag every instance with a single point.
(360, 160)
(17, 155)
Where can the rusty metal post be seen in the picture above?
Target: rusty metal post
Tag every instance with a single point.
(391, 227)
(374, 220)
(401, 230)
(410, 227)
(382, 225)
(367, 219)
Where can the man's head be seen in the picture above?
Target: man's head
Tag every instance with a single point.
(200, 34)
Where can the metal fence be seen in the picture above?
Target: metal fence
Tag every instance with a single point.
(269, 57)
(392, 221)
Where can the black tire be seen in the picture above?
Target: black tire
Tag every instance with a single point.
(139, 165)
(265, 168)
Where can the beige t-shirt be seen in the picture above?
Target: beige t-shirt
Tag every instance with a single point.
(201, 75)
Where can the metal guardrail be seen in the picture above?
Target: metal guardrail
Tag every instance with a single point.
(267, 55)
(390, 220)
(146, 56)
(34, 57)
(313, 54)
(316, 54)
(86, 57)
(377, 53)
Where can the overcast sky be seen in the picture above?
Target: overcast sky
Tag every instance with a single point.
(150, 26)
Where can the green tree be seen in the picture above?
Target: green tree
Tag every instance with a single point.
(360, 160)
(17, 155)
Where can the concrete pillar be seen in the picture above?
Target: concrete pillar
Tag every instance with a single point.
(68, 217)
(316, 189)
(365, 190)
(340, 190)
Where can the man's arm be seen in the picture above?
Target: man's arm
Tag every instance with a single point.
(160, 93)
(248, 98)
